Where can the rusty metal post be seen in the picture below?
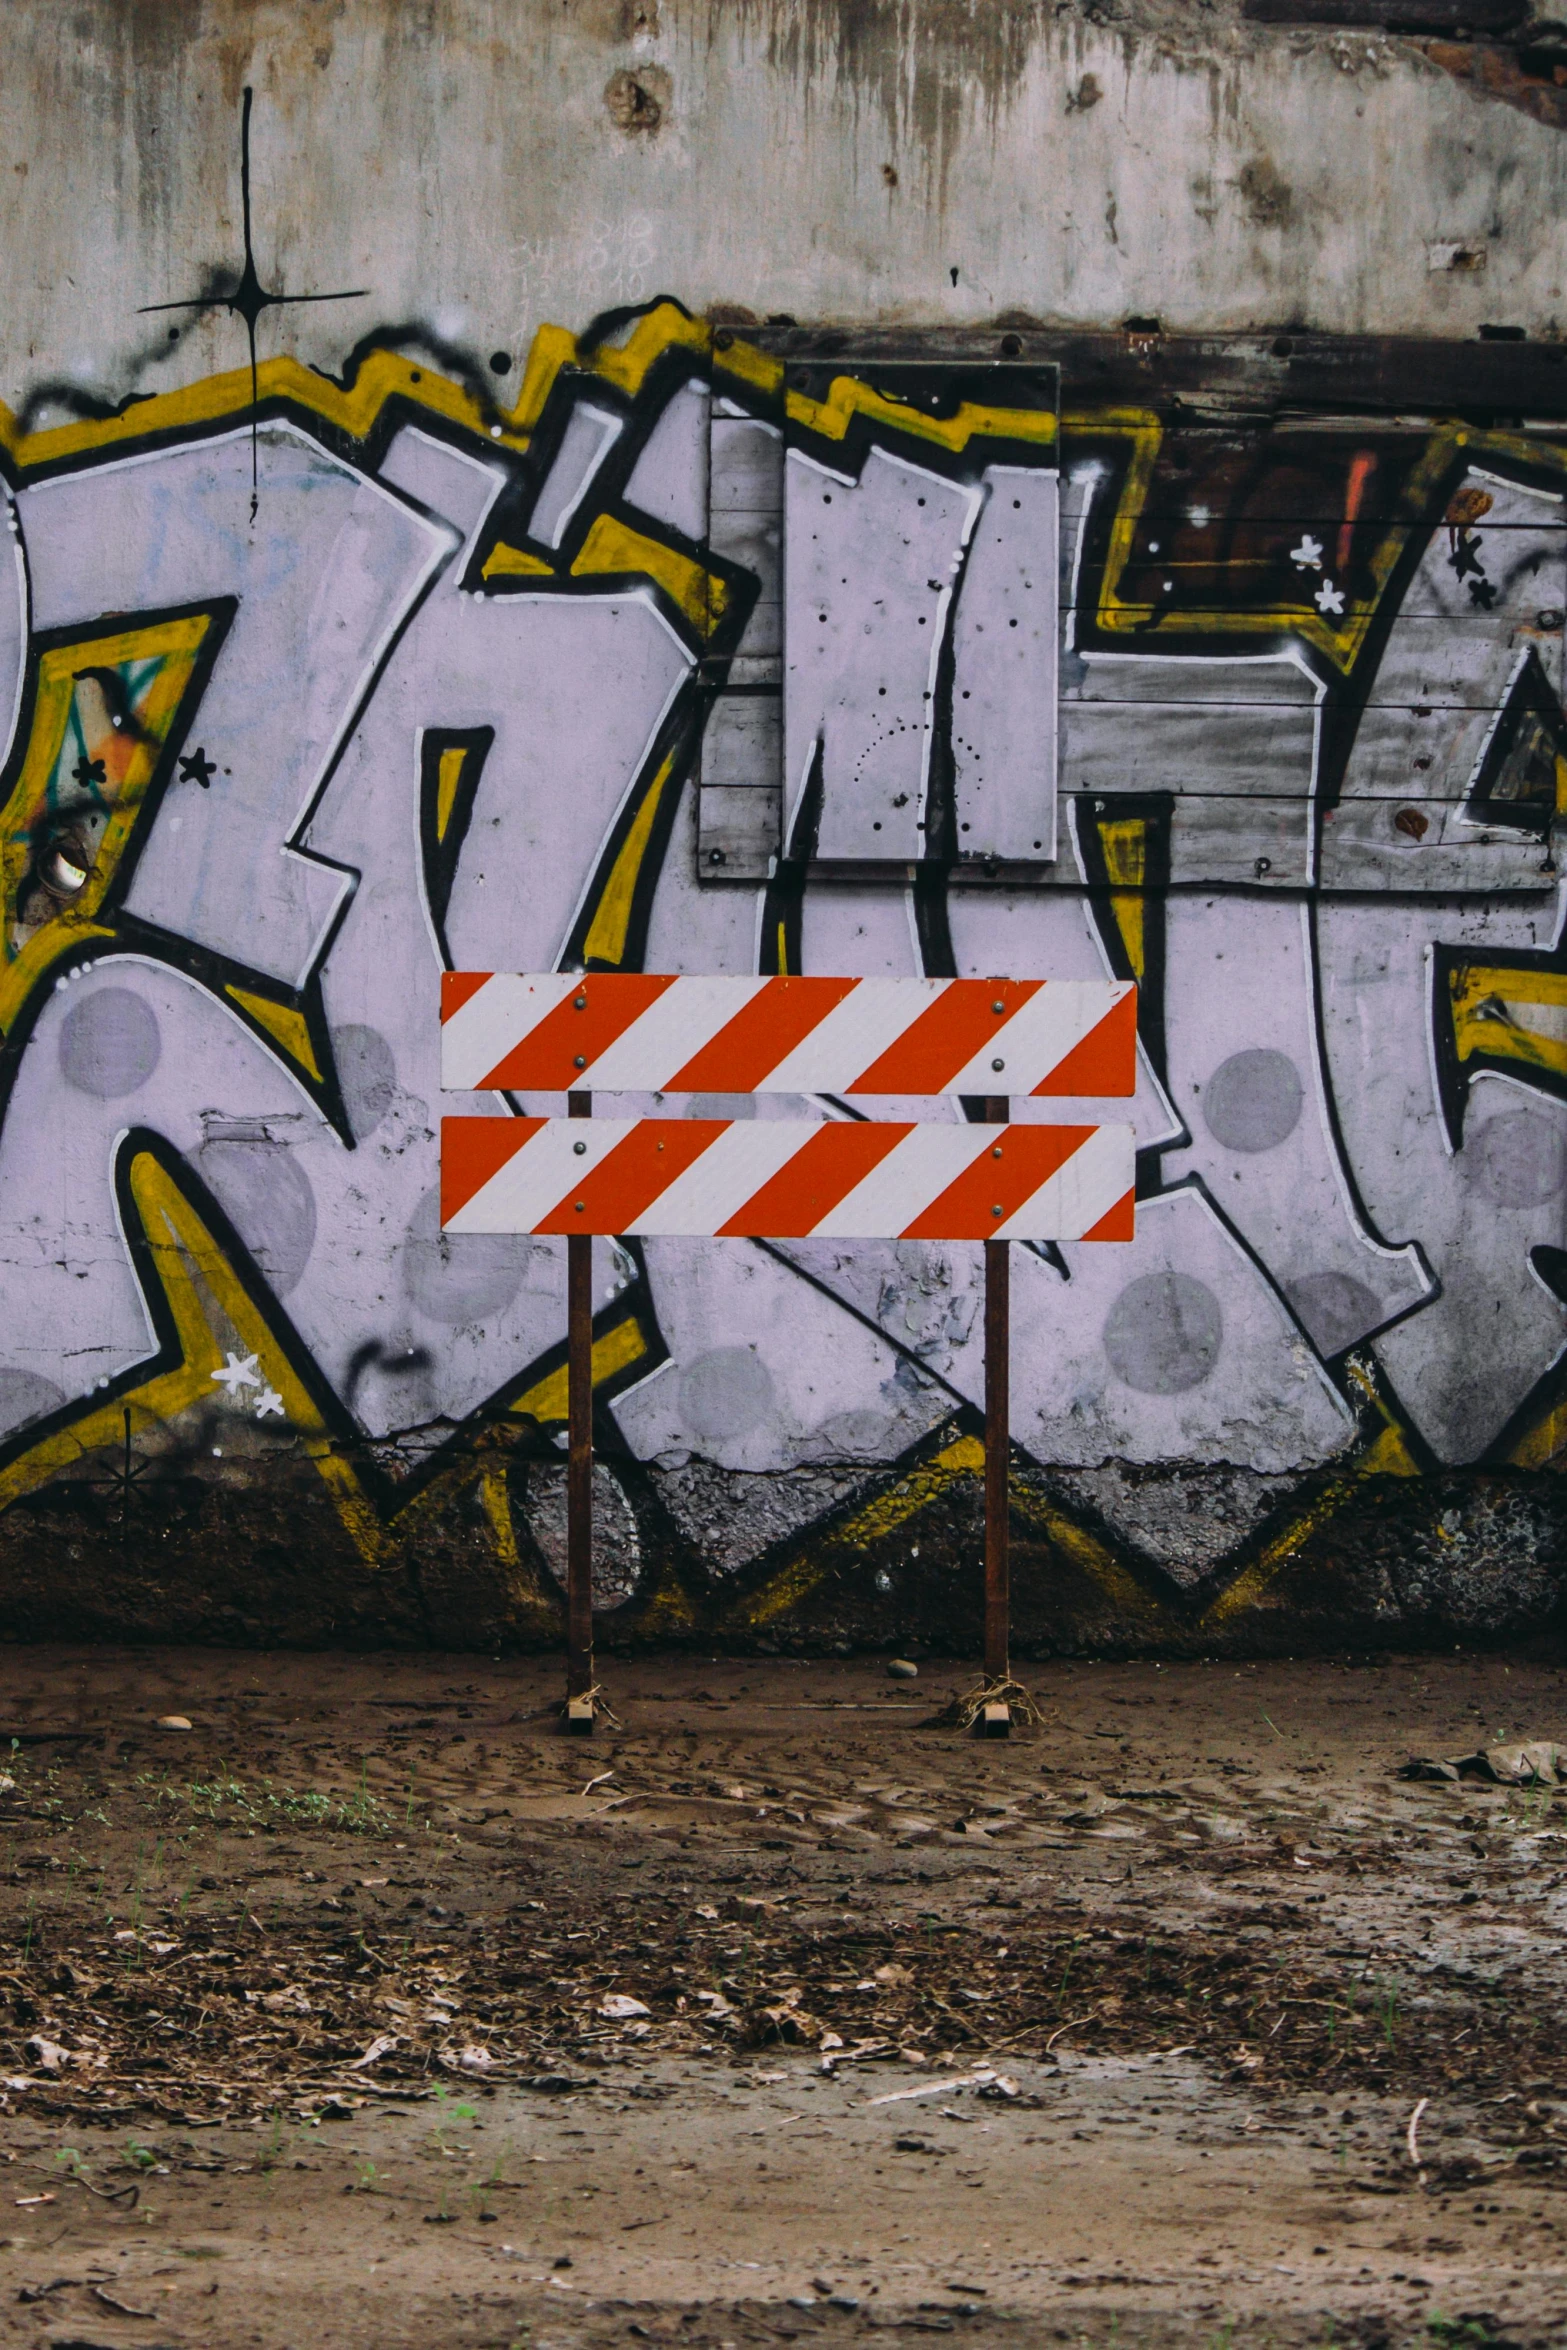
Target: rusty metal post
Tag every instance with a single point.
(995, 1720)
(579, 1467)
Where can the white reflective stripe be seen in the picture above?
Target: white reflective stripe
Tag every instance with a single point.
(1038, 1036)
(495, 1018)
(1087, 1186)
(539, 1176)
(645, 1056)
(855, 1033)
(898, 1190)
(730, 1171)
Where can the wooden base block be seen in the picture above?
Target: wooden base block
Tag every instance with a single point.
(579, 1717)
(994, 1721)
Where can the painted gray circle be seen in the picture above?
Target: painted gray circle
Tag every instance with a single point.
(1253, 1100)
(266, 1195)
(1518, 1160)
(726, 1393)
(367, 1073)
(25, 1396)
(458, 1277)
(1163, 1333)
(109, 1043)
(1334, 1309)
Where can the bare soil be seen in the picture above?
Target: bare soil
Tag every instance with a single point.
(370, 2009)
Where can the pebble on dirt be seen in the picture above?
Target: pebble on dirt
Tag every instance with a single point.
(899, 1668)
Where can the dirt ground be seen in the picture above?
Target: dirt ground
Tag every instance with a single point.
(370, 2009)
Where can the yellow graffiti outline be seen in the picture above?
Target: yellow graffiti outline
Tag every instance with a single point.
(607, 932)
(177, 643)
(504, 561)
(355, 409)
(915, 1490)
(1342, 643)
(189, 1263)
(849, 397)
(196, 1277)
(1481, 997)
(612, 546)
(1387, 1453)
(284, 1026)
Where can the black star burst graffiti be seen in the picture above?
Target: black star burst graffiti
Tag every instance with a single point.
(124, 1481)
(248, 298)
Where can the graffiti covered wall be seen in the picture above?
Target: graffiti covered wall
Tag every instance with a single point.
(315, 699)
(693, 643)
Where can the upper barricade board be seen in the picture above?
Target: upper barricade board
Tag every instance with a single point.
(647, 1032)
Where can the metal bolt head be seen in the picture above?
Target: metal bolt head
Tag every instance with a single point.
(994, 1064)
(581, 1147)
(579, 1003)
(579, 1060)
(995, 1154)
(579, 1207)
(998, 1005)
(998, 1211)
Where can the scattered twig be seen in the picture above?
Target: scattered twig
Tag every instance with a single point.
(929, 2088)
(127, 2194)
(965, 1711)
(1413, 2130)
(1071, 2027)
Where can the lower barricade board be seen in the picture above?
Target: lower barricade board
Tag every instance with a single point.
(786, 1178)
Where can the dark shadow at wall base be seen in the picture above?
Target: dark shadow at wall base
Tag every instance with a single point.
(1463, 1558)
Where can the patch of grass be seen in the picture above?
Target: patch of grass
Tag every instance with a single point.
(1460, 2333)
(226, 1801)
(271, 2154)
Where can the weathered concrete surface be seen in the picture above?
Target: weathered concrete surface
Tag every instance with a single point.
(1312, 766)
(479, 165)
(268, 1564)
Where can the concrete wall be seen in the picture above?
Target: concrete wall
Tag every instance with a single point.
(433, 653)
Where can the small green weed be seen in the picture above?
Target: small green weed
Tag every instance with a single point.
(226, 1801)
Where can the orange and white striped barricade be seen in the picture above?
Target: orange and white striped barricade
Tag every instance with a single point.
(721, 1178)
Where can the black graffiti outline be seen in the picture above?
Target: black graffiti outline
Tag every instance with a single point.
(248, 298)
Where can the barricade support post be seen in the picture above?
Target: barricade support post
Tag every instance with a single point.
(995, 1717)
(579, 1468)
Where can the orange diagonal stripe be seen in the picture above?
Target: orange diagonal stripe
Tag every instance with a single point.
(778, 1017)
(457, 987)
(1018, 1160)
(613, 1195)
(1105, 1060)
(474, 1149)
(1119, 1223)
(545, 1061)
(794, 1201)
(928, 1055)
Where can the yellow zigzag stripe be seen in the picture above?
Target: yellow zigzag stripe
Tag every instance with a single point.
(196, 1277)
